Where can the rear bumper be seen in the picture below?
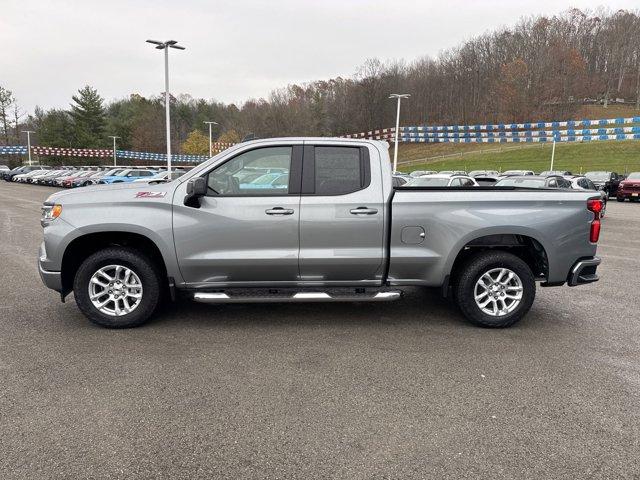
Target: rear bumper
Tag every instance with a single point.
(584, 271)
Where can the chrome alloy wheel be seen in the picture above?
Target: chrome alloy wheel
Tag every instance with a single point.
(498, 292)
(115, 290)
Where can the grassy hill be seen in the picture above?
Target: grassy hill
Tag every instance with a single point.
(620, 156)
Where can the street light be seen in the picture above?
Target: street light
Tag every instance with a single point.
(114, 148)
(165, 46)
(210, 123)
(399, 96)
(28, 132)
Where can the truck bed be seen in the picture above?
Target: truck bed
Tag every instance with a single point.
(451, 218)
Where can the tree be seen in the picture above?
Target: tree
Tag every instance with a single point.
(230, 136)
(55, 128)
(6, 100)
(89, 118)
(196, 143)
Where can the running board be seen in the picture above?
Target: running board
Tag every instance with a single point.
(298, 297)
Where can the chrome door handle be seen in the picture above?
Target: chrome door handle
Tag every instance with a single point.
(279, 211)
(363, 211)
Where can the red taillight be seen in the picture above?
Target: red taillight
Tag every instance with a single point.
(595, 231)
(595, 205)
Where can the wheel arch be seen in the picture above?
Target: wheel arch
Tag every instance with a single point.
(526, 247)
(85, 245)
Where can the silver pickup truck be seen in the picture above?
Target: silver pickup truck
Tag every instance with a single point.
(312, 220)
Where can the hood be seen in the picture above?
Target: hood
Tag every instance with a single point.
(105, 193)
(628, 183)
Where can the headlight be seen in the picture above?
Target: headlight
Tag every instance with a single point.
(50, 212)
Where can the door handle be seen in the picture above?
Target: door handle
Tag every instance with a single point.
(279, 211)
(363, 211)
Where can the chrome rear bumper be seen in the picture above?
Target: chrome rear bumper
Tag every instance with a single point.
(584, 271)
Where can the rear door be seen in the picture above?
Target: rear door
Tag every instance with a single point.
(341, 215)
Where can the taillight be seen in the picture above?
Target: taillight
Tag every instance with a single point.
(595, 205)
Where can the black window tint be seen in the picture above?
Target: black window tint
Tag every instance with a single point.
(337, 170)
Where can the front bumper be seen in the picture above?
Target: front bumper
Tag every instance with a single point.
(584, 271)
(628, 194)
(52, 280)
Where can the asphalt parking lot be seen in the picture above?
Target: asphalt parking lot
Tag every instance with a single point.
(399, 390)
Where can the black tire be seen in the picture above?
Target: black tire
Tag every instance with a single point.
(471, 271)
(133, 259)
(620, 199)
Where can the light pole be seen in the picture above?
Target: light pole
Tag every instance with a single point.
(165, 46)
(28, 132)
(553, 153)
(210, 123)
(399, 96)
(114, 148)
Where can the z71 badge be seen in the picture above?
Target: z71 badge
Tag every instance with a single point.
(150, 194)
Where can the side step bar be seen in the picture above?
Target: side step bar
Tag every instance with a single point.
(298, 297)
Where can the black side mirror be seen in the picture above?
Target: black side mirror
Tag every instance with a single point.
(196, 188)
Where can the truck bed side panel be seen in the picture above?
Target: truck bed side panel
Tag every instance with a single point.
(451, 219)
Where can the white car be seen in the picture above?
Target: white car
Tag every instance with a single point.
(517, 173)
(26, 176)
(4, 168)
(442, 180)
(420, 173)
(579, 182)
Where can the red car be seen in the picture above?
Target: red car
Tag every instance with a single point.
(629, 188)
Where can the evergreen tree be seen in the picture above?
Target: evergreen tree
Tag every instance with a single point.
(89, 118)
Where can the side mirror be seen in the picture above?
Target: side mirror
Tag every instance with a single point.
(196, 188)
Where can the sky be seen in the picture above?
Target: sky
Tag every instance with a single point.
(235, 50)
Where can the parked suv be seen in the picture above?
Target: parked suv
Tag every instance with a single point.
(629, 188)
(607, 181)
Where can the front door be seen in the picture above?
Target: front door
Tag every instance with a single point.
(341, 216)
(245, 232)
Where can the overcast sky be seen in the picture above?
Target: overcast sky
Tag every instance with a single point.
(237, 49)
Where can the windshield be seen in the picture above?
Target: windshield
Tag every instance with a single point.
(521, 182)
(597, 176)
(428, 182)
(634, 176)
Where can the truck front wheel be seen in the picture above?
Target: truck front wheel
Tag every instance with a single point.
(495, 289)
(117, 287)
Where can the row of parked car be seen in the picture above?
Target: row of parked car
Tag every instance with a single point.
(71, 177)
(610, 184)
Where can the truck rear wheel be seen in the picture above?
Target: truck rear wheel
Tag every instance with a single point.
(117, 287)
(495, 289)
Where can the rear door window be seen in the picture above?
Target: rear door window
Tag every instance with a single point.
(335, 170)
